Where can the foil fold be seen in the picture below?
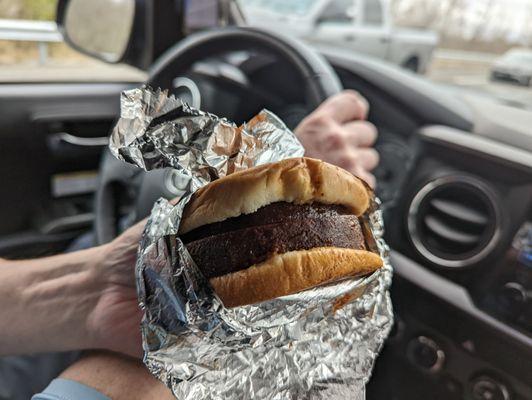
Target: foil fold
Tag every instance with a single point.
(316, 344)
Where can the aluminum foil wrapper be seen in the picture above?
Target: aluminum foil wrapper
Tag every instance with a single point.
(316, 344)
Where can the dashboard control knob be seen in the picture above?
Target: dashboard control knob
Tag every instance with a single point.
(513, 295)
(426, 354)
(487, 388)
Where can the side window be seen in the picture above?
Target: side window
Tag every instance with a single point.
(339, 11)
(32, 49)
(373, 12)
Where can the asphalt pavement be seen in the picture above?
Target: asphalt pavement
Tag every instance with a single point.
(471, 72)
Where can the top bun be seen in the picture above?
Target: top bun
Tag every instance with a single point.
(294, 180)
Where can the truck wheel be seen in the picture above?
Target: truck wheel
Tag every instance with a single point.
(412, 64)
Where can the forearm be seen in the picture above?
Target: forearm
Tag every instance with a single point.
(45, 302)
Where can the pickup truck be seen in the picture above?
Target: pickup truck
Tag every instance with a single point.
(363, 26)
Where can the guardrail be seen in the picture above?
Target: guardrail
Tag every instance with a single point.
(465, 55)
(41, 32)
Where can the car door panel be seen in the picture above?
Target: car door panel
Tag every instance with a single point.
(51, 138)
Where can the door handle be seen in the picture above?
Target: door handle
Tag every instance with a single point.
(350, 38)
(68, 223)
(82, 141)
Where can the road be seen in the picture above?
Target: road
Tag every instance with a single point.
(85, 70)
(470, 71)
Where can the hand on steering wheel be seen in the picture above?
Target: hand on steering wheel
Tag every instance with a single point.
(337, 132)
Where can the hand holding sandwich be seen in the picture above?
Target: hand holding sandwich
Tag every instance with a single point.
(81, 300)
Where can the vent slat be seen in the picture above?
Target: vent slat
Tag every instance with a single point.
(446, 232)
(455, 220)
(459, 211)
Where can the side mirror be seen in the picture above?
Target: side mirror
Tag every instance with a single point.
(110, 30)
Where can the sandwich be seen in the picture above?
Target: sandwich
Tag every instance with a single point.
(278, 229)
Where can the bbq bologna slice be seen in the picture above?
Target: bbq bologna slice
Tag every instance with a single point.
(278, 229)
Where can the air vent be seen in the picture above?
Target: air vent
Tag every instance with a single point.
(453, 221)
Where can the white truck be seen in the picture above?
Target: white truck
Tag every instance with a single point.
(363, 26)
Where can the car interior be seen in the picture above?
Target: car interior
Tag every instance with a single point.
(455, 181)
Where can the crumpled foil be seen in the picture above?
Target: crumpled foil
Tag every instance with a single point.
(316, 344)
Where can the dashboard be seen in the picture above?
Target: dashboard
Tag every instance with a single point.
(396, 158)
(457, 211)
(456, 206)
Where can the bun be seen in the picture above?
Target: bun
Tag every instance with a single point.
(292, 272)
(294, 180)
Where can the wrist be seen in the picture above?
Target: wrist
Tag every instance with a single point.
(88, 288)
(99, 265)
(113, 321)
(54, 296)
(99, 268)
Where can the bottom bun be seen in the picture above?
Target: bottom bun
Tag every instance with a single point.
(292, 272)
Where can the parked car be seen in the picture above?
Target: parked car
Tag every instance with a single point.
(515, 66)
(363, 26)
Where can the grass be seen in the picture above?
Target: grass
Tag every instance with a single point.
(28, 9)
(20, 53)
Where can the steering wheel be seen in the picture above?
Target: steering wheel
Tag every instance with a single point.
(118, 178)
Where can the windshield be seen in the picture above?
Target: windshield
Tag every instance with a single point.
(459, 44)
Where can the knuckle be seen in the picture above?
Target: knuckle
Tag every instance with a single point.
(372, 158)
(365, 132)
(357, 101)
(335, 138)
(372, 153)
(320, 119)
(347, 161)
(371, 128)
(374, 134)
(369, 178)
(351, 94)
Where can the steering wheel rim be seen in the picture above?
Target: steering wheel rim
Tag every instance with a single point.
(320, 82)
